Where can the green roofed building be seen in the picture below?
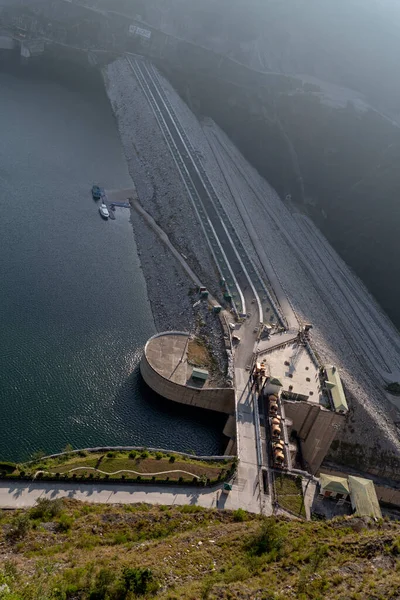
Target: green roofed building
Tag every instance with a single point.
(333, 486)
(357, 490)
(363, 497)
(201, 374)
(334, 385)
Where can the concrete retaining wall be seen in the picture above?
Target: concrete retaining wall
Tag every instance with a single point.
(137, 448)
(218, 399)
(316, 428)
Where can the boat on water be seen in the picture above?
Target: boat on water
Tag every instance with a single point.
(97, 192)
(103, 210)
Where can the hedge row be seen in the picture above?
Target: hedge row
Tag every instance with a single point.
(122, 480)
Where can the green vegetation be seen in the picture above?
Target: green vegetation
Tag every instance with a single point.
(128, 466)
(172, 552)
(289, 494)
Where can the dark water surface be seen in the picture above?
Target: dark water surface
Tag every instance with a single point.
(74, 308)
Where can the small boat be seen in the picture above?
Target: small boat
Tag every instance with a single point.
(103, 210)
(97, 192)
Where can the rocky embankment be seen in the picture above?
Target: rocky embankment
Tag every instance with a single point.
(163, 195)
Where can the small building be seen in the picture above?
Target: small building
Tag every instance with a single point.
(227, 487)
(363, 497)
(358, 491)
(334, 387)
(334, 487)
(200, 374)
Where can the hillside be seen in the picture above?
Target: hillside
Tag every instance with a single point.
(71, 550)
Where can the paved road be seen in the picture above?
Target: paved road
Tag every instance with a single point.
(21, 494)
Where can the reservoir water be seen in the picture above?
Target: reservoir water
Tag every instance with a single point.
(74, 308)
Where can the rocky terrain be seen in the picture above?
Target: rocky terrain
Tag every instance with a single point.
(162, 193)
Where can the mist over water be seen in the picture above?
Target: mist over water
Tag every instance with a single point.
(75, 312)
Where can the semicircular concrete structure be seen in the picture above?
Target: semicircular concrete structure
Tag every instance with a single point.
(165, 369)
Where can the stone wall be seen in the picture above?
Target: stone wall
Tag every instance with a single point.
(218, 399)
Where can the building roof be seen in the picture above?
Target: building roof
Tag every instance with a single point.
(363, 497)
(200, 374)
(334, 384)
(334, 484)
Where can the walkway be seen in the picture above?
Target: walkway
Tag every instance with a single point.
(22, 494)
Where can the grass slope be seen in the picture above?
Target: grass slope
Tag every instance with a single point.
(67, 550)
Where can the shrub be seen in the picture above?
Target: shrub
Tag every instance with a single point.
(82, 453)
(144, 454)
(239, 515)
(203, 480)
(46, 509)
(139, 581)
(159, 455)
(65, 523)
(19, 527)
(133, 454)
(172, 458)
(7, 467)
(181, 479)
(395, 548)
(101, 585)
(110, 454)
(268, 538)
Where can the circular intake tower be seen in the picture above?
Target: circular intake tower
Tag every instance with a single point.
(165, 369)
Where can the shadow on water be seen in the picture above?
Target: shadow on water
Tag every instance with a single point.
(151, 420)
(75, 76)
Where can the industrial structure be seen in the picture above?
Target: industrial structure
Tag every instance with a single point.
(166, 370)
(305, 404)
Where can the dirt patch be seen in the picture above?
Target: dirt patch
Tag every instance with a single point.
(198, 354)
